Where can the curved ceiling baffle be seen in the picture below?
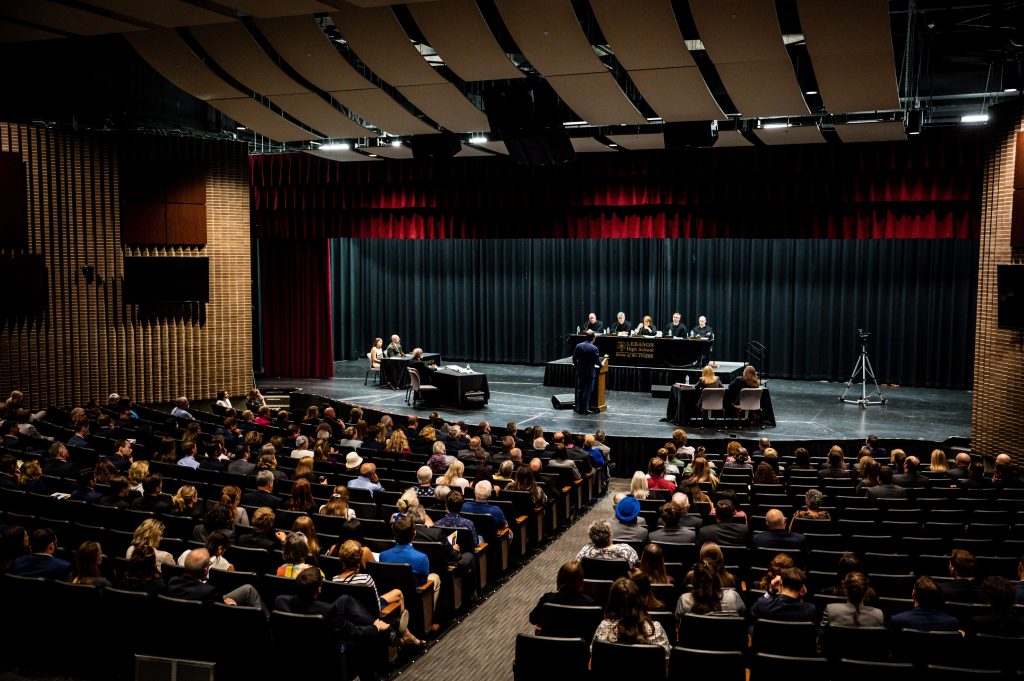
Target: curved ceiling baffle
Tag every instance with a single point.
(639, 141)
(646, 39)
(589, 145)
(61, 18)
(235, 51)
(166, 13)
(550, 36)
(744, 41)
(854, 63)
(168, 53)
(302, 44)
(379, 40)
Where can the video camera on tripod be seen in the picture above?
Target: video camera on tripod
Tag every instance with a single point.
(863, 371)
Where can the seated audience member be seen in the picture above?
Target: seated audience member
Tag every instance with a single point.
(777, 536)
(626, 621)
(652, 563)
(231, 497)
(81, 436)
(403, 552)
(561, 459)
(8, 471)
(835, 467)
(505, 473)
(625, 527)
(1020, 581)
(687, 519)
(152, 499)
(656, 473)
(184, 502)
(482, 493)
(852, 613)
(964, 587)
(410, 499)
(962, 462)
(216, 543)
(648, 600)
(707, 595)
(367, 479)
(149, 533)
(1005, 474)
(765, 474)
(975, 477)
(58, 462)
(784, 599)
(638, 486)
(117, 495)
(740, 462)
(601, 546)
(195, 585)
(14, 543)
(925, 615)
(670, 531)
(218, 518)
(569, 591)
(812, 507)
(848, 562)
(1003, 619)
(424, 481)
(295, 553)
(301, 499)
(775, 567)
(263, 495)
(738, 514)
(86, 490)
(180, 409)
(725, 531)
(41, 562)
(453, 505)
(700, 470)
(189, 455)
(263, 534)
(912, 476)
(337, 505)
(142, 573)
(885, 489)
(350, 556)
(30, 477)
(526, 481)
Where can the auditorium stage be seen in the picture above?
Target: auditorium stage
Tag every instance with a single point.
(805, 410)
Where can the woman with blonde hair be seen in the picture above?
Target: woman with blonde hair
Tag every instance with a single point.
(304, 524)
(638, 485)
(707, 379)
(350, 555)
(304, 470)
(337, 505)
(184, 501)
(312, 414)
(149, 533)
(137, 472)
(398, 442)
(453, 477)
(409, 500)
(939, 461)
(701, 471)
(323, 450)
(231, 497)
(191, 434)
(31, 477)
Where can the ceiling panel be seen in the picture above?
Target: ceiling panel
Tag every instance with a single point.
(496, 147)
(341, 155)
(596, 98)
(167, 13)
(887, 131)
(639, 142)
(11, 32)
(446, 106)
(65, 18)
(471, 151)
(166, 52)
(589, 145)
(643, 33)
(259, 118)
(302, 44)
(457, 30)
(381, 42)
(376, 106)
(763, 88)
(235, 51)
(549, 34)
(677, 94)
(312, 110)
(852, 54)
(807, 134)
(387, 151)
(278, 8)
(732, 138)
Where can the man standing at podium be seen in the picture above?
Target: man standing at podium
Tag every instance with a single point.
(587, 360)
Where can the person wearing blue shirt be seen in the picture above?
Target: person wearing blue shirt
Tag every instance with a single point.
(784, 599)
(403, 552)
(41, 562)
(190, 456)
(482, 492)
(925, 615)
(367, 479)
(180, 407)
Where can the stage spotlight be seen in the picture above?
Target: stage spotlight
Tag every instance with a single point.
(915, 121)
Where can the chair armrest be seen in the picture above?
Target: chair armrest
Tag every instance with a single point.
(521, 519)
(388, 609)
(504, 531)
(428, 586)
(480, 549)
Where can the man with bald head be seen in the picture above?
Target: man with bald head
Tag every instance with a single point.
(194, 585)
(395, 349)
(367, 479)
(1005, 475)
(777, 536)
(911, 477)
(963, 462)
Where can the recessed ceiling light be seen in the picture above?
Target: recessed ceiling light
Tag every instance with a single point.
(396, 143)
(335, 146)
(372, 155)
(974, 118)
(613, 144)
(811, 92)
(774, 126)
(239, 127)
(478, 140)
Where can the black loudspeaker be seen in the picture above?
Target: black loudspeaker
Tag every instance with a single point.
(526, 114)
(690, 135)
(563, 401)
(442, 145)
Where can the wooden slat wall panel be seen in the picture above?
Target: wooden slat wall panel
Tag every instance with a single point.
(88, 343)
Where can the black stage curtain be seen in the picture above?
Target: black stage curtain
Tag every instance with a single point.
(512, 300)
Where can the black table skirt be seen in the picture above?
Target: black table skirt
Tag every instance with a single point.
(453, 386)
(649, 352)
(682, 406)
(392, 369)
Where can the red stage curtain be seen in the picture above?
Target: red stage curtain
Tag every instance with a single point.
(296, 293)
(926, 188)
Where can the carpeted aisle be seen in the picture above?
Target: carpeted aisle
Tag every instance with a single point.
(483, 644)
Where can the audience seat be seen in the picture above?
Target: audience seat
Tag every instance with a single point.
(541, 657)
(322, 657)
(570, 621)
(617, 661)
(862, 643)
(713, 632)
(769, 667)
(859, 670)
(692, 663)
(784, 638)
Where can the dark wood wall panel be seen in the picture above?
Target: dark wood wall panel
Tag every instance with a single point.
(13, 223)
(89, 343)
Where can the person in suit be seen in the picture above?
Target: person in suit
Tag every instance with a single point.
(963, 463)
(625, 527)
(621, 325)
(964, 587)
(194, 585)
(263, 534)
(784, 599)
(702, 329)
(57, 463)
(676, 329)
(885, 489)
(670, 531)
(593, 323)
(852, 613)
(264, 493)
(725, 532)
(395, 348)
(569, 585)
(646, 327)
(152, 499)
(586, 358)
(241, 465)
(11, 434)
(707, 379)
(925, 615)
(777, 536)
(911, 477)
(421, 367)
(81, 436)
(41, 562)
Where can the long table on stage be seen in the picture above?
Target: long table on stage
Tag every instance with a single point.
(647, 351)
(392, 369)
(452, 387)
(682, 406)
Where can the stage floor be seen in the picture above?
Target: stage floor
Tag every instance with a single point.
(805, 410)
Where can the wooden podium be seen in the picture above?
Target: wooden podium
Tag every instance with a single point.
(597, 397)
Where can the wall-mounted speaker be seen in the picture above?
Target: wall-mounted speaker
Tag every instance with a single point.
(691, 135)
(442, 145)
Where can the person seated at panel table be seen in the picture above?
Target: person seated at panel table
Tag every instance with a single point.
(707, 379)
(748, 379)
(621, 325)
(376, 352)
(420, 366)
(593, 324)
(646, 327)
(702, 329)
(395, 349)
(676, 329)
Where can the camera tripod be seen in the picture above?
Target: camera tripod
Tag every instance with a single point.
(864, 371)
